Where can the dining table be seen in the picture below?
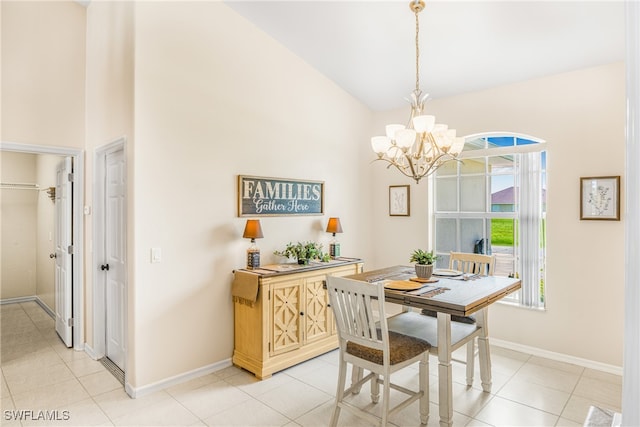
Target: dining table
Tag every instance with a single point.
(448, 293)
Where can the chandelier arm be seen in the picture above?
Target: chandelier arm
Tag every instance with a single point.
(435, 165)
(392, 163)
(413, 169)
(437, 150)
(421, 146)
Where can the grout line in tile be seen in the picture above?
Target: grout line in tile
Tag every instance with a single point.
(224, 378)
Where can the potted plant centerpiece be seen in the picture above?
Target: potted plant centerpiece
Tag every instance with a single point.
(424, 263)
(303, 252)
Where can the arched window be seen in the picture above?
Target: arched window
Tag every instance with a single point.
(494, 201)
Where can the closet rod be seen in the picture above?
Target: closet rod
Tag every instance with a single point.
(18, 186)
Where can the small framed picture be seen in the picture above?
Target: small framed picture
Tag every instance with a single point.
(600, 198)
(399, 200)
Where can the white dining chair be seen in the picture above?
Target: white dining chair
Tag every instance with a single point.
(472, 263)
(366, 343)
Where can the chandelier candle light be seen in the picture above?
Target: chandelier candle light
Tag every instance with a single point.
(422, 146)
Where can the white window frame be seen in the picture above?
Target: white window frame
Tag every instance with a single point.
(539, 146)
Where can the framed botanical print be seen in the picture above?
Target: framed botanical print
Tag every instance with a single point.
(399, 200)
(600, 198)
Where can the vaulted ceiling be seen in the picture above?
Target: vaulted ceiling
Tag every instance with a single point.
(368, 47)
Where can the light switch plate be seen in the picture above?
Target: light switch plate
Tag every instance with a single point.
(156, 255)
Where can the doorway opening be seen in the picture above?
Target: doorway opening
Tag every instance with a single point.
(110, 288)
(73, 311)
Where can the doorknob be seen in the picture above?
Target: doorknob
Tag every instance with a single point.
(52, 256)
(104, 267)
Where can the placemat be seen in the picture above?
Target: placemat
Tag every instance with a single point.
(421, 280)
(403, 285)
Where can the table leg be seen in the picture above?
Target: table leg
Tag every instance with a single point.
(484, 352)
(445, 390)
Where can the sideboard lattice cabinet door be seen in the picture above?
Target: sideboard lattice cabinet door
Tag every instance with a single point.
(316, 316)
(286, 307)
(291, 320)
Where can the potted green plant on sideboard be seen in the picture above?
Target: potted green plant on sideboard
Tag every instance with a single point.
(304, 252)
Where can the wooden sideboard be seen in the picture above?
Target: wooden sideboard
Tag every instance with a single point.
(291, 320)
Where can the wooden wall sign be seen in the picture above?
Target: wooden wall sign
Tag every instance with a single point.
(259, 196)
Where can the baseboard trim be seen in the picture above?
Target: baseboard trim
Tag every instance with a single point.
(91, 353)
(35, 298)
(136, 392)
(17, 300)
(45, 307)
(560, 357)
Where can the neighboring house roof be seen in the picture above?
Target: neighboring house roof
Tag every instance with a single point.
(506, 196)
(502, 197)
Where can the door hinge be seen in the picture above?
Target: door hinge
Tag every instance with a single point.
(70, 177)
(269, 294)
(269, 347)
(70, 322)
(70, 249)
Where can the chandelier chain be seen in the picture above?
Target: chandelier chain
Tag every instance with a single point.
(417, 52)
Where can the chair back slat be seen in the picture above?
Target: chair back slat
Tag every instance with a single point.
(365, 343)
(353, 304)
(472, 263)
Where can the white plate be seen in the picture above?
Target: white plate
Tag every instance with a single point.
(447, 273)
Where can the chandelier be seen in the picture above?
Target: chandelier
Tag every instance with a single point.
(422, 146)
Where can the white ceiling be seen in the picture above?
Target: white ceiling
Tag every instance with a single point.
(368, 47)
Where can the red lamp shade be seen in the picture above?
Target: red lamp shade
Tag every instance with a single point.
(334, 226)
(252, 230)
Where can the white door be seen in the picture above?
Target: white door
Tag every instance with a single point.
(63, 254)
(115, 262)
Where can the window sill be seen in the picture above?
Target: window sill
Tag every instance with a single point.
(518, 305)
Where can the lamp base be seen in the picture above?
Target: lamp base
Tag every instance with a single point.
(253, 259)
(334, 250)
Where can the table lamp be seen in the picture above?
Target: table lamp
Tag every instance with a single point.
(334, 227)
(253, 231)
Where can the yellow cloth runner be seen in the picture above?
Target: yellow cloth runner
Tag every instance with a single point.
(245, 288)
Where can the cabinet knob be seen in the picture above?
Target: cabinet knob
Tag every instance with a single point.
(302, 313)
(104, 267)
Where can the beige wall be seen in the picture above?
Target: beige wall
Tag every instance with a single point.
(27, 227)
(43, 96)
(214, 98)
(109, 118)
(19, 207)
(43, 64)
(581, 115)
(204, 113)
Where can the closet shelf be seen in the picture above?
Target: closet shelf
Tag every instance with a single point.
(18, 186)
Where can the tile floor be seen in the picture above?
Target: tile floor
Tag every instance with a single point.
(40, 374)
